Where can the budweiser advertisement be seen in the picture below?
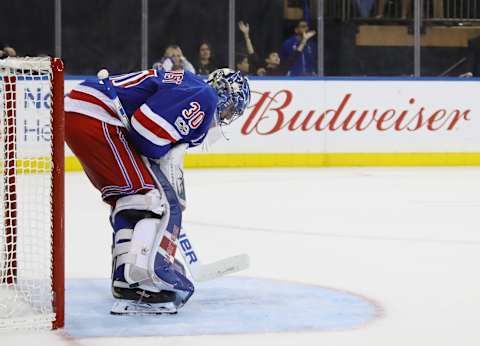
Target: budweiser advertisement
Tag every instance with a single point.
(354, 116)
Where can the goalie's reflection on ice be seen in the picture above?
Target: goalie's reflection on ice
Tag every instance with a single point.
(230, 305)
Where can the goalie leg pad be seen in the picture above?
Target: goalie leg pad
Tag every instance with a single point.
(144, 264)
(154, 201)
(128, 211)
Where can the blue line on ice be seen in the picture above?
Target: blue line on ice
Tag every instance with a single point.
(231, 305)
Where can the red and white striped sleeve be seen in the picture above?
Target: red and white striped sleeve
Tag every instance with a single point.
(154, 127)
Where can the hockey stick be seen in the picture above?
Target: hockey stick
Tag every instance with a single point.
(199, 272)
(210, 271)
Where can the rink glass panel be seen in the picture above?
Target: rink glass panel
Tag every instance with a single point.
(187, 24)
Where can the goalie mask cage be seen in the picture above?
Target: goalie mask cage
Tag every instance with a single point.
(31, 208)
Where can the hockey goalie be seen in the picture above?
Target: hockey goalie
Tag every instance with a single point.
(130, 133)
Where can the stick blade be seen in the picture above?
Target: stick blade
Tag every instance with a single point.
(214, 270)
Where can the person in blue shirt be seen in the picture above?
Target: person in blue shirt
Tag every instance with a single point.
(306, 62)
(138, 166)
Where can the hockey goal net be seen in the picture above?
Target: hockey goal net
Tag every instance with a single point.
(31, 193)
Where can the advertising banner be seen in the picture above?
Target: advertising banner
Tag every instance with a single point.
(32, 113)
(341, 116)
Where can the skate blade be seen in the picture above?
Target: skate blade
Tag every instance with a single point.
(135, 308)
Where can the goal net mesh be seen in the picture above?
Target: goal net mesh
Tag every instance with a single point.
(26, 298)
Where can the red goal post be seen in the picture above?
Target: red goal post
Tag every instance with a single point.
(32, 193)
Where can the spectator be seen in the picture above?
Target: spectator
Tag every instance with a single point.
(272, 65)
(261, 71)
(252, 57)
(205, 64)
(174, 60)
(7, 51)
(306, 62)
(242, 64)
(278, 67)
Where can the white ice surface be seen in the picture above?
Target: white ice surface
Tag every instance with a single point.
(407, 238)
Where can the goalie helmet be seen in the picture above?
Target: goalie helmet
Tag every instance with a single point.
(233, 94)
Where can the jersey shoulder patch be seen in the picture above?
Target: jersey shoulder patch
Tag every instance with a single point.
(173, 77)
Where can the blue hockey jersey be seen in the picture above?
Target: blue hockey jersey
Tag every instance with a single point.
(164, 108)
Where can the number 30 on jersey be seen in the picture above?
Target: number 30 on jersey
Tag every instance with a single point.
(194, 115)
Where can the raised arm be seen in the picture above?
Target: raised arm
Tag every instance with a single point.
(245, 29)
